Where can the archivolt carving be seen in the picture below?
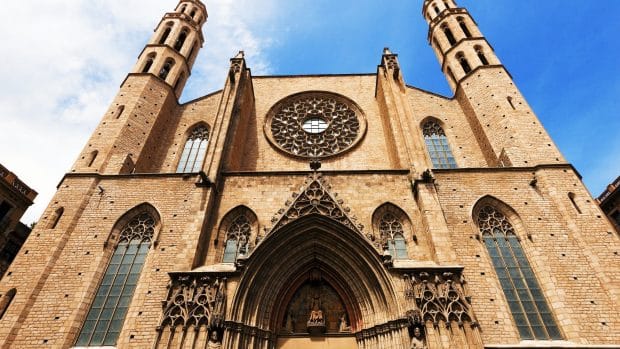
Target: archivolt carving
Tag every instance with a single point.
(437, 296)
(194, 300)
(315, 199)
(343, 124)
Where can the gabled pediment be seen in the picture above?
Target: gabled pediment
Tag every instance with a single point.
(315, 199)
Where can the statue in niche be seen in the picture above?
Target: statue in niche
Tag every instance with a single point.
(417, 341)
(316, 315)
(215, 341)
(290, 328)
(344, 324)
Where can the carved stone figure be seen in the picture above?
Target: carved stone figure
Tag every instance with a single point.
(214, 341)
(289, 323)
(417, 341)
(316, 315)
(344, 325)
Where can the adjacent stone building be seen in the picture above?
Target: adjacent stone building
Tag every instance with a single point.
(609, 201)
(323, 211)
(15, 198)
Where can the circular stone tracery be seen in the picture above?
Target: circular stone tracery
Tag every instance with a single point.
(315, 124)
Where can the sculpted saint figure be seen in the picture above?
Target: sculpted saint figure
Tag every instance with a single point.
(417, 341)
(316, 315)
(344, 326)
(214, 341)
(289, 322)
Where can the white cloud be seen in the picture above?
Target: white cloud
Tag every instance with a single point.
(63, 61)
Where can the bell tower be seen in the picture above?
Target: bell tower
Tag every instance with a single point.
(506, 128)
(172, 50)
(126, 139)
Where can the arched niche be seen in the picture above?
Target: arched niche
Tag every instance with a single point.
(284, 261)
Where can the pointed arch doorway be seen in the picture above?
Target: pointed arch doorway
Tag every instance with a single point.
(304, 280)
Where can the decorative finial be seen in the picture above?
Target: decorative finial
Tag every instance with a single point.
(240, 55)
(386, 51)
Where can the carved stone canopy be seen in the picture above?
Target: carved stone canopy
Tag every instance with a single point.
(194, 299)
(437, 295)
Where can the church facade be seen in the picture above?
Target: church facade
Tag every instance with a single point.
(324, 211)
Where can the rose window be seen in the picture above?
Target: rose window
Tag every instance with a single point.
(315, 124)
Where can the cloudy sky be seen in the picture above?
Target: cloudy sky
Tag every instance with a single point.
(63, 61)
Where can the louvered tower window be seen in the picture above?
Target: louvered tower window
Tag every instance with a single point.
(107, 313)
(194, 152)
(525, 298)
(437, 145)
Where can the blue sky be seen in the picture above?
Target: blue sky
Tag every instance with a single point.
(64, 65)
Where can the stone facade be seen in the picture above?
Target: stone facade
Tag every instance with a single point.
(318, 212)
(15, 198)
(609, 201)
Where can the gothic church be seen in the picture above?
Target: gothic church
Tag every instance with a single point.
(330, 211)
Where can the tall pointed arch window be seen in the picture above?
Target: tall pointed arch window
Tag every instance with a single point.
(391, 230)
(464, 62)
(107, 313)
(437, 145)
(449, 35)
(237, 237)
(527, 304)
(166, 33)
(165, 69)
(194, 151)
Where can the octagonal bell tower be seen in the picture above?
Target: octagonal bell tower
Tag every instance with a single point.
(126, 140)
(506, 128)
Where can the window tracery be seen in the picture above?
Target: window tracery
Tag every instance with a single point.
(437, 145)
(107, 313)
(194, 151)
(315, 125)
(525, 299)
(392, 233)
(237, 238)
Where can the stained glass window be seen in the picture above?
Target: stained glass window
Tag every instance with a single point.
(437, 145)
(107, 313)
(194, 152)
(525, 299)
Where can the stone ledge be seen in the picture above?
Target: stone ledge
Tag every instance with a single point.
(550, 344)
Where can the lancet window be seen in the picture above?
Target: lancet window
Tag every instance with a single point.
(178, 45)
(194, 151)
(481, 56)
(463, 61)
(237, 238)
(525, 299)
(464, 27)
(437, 145)
(165, 70)
(448, 34)
(391, 230)
(107, 312)
(166, 34)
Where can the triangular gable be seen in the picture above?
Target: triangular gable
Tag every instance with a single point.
(315, 198)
